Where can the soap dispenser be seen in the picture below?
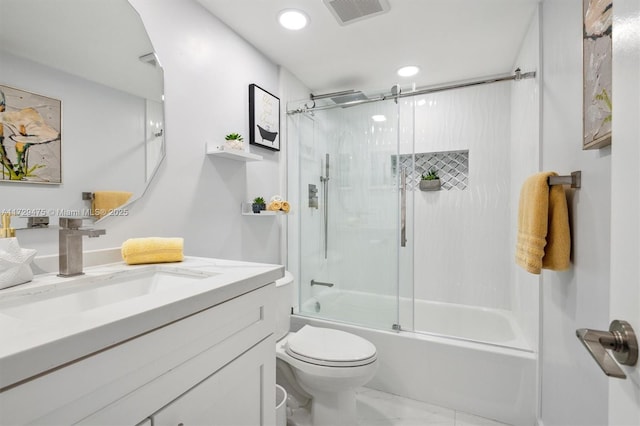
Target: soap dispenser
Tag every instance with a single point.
(14, 261)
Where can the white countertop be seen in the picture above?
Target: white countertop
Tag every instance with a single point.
(32, 346)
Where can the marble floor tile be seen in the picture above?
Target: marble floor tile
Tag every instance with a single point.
(463, 419)
(376, 408)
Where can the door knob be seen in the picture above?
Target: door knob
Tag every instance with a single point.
(620, 339)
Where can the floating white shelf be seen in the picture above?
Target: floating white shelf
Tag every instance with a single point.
(233, 154)
(263, 213)
(248, 211)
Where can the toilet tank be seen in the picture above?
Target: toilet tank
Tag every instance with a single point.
(284, 293)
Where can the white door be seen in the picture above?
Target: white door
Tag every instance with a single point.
(624, 395)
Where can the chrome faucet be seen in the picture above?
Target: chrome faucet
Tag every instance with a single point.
(70, 245)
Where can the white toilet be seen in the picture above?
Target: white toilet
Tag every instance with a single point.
(322, 365)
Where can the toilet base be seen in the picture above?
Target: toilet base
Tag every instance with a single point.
(302, 416)
(334, 408)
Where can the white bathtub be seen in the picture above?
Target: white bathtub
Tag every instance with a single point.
(493, 326)
(470, 359)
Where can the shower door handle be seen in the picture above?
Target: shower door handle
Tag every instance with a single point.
(403, 208)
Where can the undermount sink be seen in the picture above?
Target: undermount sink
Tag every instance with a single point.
(73, 296)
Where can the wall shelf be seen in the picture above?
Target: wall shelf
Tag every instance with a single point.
(232, 154)
(263, 213)
(248, 211)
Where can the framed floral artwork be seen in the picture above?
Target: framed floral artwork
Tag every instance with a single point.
(597, 69)
(30, 137)
(264, 118)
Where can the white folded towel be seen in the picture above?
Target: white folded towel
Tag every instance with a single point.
(14, 263)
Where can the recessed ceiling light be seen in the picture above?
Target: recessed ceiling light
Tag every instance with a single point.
(378, 118)
(408, 71)
(292, 19)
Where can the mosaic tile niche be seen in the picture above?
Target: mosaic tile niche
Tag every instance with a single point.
(452, 168)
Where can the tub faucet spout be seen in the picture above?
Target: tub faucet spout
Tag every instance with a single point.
(70, 245)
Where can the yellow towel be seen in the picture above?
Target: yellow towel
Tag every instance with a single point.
(275, 206)
(544, 239)
(285, 207)
(152, 250)
(106, 201)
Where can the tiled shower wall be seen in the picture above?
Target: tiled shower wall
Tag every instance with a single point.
(461, 238)
(452, 168)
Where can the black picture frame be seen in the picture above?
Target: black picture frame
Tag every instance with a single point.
(264, 118)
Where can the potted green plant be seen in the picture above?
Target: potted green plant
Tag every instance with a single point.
(233, 141)
(258, 204)
(430, 181)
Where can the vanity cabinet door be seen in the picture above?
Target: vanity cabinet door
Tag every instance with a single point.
(240, 393)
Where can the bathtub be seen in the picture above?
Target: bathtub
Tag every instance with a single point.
(469, 359)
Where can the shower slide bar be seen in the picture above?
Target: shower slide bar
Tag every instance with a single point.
(516, 76)
(325, 182)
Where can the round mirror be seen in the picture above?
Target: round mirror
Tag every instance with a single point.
(82, 108)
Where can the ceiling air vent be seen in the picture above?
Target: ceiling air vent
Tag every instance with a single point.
(350, 11)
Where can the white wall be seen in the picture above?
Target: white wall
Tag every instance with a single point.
(207, 72)
(573, 387)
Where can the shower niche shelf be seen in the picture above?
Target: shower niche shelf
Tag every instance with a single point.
(232, 154)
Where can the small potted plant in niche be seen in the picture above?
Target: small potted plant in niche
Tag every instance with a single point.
(258, 204)
(233, 141)
(430, 181)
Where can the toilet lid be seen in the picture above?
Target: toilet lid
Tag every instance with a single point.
(335, 348)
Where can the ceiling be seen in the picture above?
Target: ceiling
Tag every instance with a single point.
(450, 40)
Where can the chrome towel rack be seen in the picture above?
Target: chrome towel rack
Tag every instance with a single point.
(574, 179)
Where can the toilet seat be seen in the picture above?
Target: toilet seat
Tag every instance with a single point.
(330, 348)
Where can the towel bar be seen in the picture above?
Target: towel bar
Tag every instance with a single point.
(87, 196)
(574, 179)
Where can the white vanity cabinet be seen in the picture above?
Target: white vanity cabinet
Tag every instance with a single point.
(213, 367)
(233, 396)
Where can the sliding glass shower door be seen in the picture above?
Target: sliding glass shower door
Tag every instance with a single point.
(350, 192)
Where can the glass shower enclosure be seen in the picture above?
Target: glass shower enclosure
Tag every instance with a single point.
(352, 209)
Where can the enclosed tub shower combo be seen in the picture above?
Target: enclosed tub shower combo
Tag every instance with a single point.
(427, 276)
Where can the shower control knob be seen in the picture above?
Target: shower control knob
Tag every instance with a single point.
(620, 339)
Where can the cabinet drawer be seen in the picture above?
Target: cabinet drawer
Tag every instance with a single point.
(132, 379)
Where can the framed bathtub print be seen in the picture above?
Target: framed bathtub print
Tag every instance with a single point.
(30, 138)
(597, 70)
(264, 118)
